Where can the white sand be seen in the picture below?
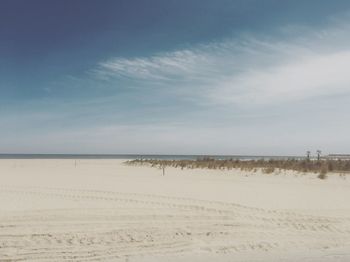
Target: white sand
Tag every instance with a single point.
(102, 210)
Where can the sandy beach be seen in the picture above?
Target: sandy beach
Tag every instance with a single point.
(104, 210)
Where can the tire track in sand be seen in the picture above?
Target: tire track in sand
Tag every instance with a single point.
(144, 224)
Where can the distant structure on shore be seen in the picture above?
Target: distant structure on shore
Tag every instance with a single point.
(318, 156)
(338, 156)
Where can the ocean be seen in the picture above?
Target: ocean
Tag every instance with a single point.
(140, 156)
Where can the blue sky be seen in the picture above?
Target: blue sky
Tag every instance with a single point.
(174, 77)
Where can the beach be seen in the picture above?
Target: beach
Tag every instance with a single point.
(105, 210)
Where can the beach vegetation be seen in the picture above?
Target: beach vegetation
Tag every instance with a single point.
(267, 166)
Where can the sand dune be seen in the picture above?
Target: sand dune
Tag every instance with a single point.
(102, 210)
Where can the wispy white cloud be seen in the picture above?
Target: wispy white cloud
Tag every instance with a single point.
(247, 71)
(165, 66)
(310, 77)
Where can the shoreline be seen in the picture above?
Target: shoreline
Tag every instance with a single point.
(139, 156)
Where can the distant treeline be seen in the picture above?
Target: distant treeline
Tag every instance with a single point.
(322, 166)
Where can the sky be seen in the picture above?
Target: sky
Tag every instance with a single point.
(205, 77)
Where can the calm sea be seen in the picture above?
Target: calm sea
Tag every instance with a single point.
(138, 156)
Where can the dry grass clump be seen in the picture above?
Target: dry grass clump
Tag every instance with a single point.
(268, 170)
(322, 175)
(323, 172)
(267, 166)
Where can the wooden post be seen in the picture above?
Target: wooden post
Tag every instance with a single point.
(319, 155)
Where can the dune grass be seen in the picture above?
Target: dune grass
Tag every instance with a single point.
(322, 167)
